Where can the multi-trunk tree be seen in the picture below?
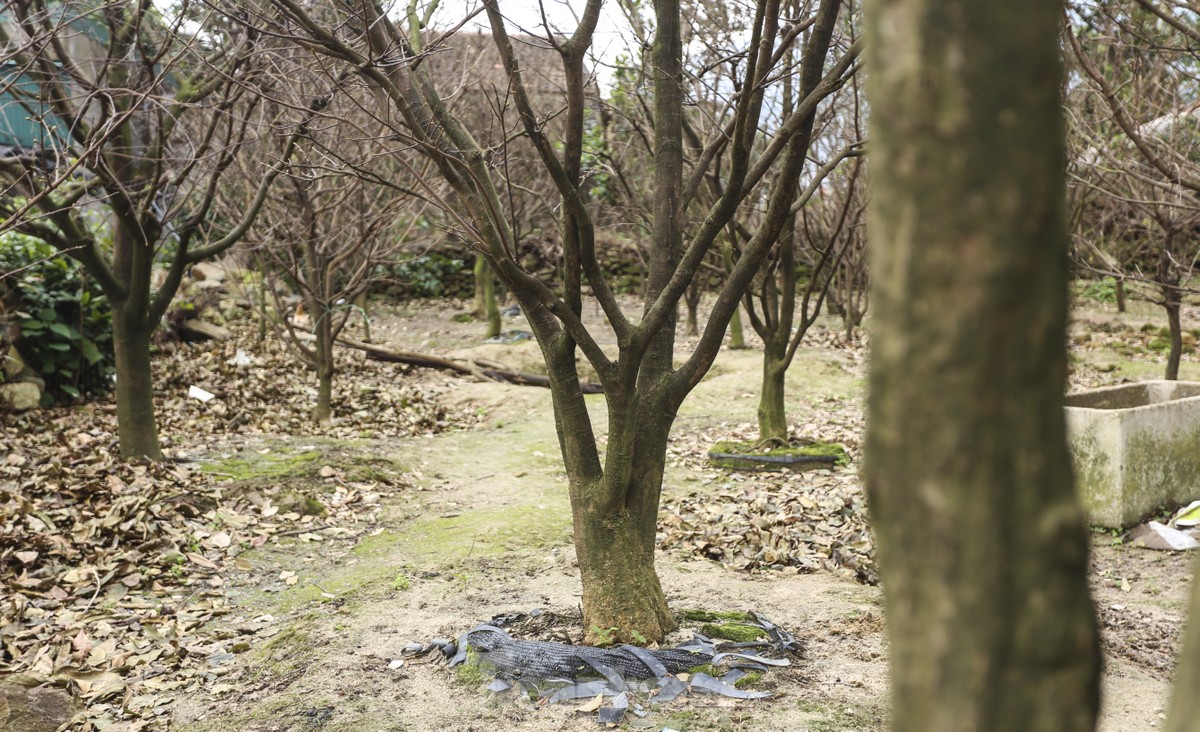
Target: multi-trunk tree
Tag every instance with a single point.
(615, 491)
(136, 122)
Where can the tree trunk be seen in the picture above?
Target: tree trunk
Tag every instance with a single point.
(323, 348)
(1185, 702)
(136, 426)
(772, 412)
(1120, 289)
(983, 548)
(261, 265)
(490, 305)
(622, 598)
(361, 303)
(693, 304)
(1176, 330)
(482, 272)
(737, 337)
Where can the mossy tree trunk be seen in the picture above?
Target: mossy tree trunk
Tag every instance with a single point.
(1175, 329)
(491, 306)
(983, 547)
(692, 300)
(486, 308)
(323, 361)
(737, 336)
(136, 425)
(772, 409)
(360, 303)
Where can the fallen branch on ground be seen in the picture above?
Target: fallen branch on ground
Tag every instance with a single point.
(474, 367)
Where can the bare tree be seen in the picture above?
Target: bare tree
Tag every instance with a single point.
(614, 495)
(1136, 150)
(783, 305)
(137, 120)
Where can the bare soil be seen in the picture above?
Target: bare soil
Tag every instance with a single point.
(484, 529)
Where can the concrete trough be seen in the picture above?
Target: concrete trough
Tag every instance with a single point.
(1136, 449)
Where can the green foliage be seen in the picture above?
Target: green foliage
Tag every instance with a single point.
(423, 275)
(1102, 290)
(604, 636)
(65, 320)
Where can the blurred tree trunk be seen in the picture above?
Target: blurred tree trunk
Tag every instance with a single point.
(1185, 702)
(982, 544)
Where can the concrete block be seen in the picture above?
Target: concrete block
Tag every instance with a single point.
(1136, 448)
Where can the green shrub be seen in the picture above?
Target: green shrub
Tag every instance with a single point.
(64, 318)
(424, 275)
(1102, 290)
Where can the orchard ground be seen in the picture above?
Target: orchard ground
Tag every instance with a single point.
(415, 537)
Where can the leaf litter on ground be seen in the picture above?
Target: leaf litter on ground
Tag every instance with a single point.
(760, 520)
(112, 571)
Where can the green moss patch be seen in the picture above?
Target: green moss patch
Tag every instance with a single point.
(266, 466)
(737, 632)
(277, 461)
(706, 668)
(697, 615)
(470, 673)
(750, 456)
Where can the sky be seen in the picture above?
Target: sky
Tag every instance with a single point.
(613, 36)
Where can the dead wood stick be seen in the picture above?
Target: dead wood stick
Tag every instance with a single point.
(477, 367)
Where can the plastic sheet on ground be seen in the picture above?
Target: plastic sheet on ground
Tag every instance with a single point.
(611, 677)
(1154, 535)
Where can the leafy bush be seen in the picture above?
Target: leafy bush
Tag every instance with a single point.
(1102, 290)
(64, 318)
(424, 275)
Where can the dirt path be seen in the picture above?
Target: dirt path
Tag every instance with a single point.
(485, 530)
